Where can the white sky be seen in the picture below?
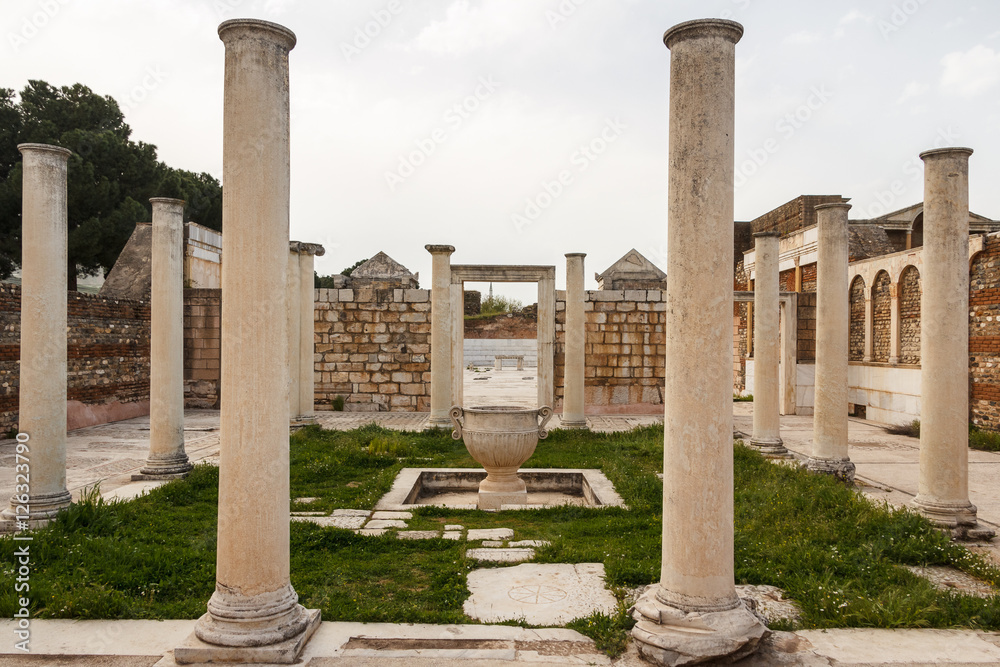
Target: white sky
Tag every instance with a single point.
(873, 83)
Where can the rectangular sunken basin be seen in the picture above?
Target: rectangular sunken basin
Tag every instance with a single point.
(458, 488)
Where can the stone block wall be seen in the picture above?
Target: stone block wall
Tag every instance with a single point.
(809, 278)
(202, 347)
(741, 335)
(984, 336)
(806, 325)
(625, 349)
(881, 315)
(909, 316)
(373, 349)
(856, 346)
(107, 358)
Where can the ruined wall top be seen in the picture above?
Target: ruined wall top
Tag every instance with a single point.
(632, 271)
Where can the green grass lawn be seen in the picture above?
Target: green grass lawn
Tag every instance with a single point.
(832, 551)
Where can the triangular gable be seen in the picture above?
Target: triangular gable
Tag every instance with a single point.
(632, 265)
(381, 266)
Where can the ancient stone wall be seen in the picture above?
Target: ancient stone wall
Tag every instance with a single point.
(881, 313)
(909, 316)
(202, 346)
(107, 357)
(984, 336)
(786, 281)
(624, 346)
(809, 277)
(796, 214)
(741, 339)
(373, 349)
(856, 347)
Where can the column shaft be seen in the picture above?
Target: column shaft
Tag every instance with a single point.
(829, 453)
(943, 487)
(42, 400)
(575, 335)
(767, 347)
(167, 457)
(254, 606)
(546, 332)
(306, 330)
(696, 586)
(441, 325)
(457, 343)
(294, 323)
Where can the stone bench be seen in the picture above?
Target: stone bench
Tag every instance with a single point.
(500, 358)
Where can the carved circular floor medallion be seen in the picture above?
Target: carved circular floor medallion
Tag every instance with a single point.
(536, 594)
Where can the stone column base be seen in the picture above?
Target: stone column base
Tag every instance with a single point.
(492, 500)
(434, 423)
(667, 635)
(842, 470)
(299, 422)
(958, 518)
(574, 425)
(41, 508)
(772, 448)
(197, 651)
(174, 467)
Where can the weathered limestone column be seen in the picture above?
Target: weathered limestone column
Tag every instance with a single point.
(943, 487)
(767, 347)
(869, 323)
(788, 323)
(307, 331)
(167, 457)
(254, 615)
(894, 341)
(576, 334)
(42, 402)
(833, 314)
(694, 614)
(546, 332)
(294, 322)
(441, 326)
(457, 343)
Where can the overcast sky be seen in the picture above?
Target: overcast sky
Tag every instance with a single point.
(419, 121)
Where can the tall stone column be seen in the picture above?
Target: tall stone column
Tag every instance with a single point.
(833, 315)
(254, 615)
(42, 401)
(694, 614)
(441, 325)
(307, 331)
(576, 334)
(294, 321)
(457, 343)
(546, 332)
(767, 347)
(167, 457)
(943, 487)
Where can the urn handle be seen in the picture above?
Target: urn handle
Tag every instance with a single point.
(545, 412)
(455, 413)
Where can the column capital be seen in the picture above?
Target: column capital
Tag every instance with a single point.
(730, 30)
(168, 201)
(439, 249)
(301, 248)
(236, 28)
(56, 151)
(946, 152)
(767, 235)
(576, 254)
(833, 204)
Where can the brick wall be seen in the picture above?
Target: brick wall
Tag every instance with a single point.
(984, 336)
(740, 334)
(881, 312)
(794, 215)
(625, 350)
(909, 316)
(786, 280)
(107, 352)
(856, 346)
(806, 333)
(809, 277)
(202, 347)
(373, 349)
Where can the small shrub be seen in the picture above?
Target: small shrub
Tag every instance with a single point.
(337, 403)
(912, 429)
(494, 305)
(743, 398)
(987, 441)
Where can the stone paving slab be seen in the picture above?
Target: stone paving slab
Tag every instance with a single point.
(500, 555)
(392, 515)
(346, 522)
(475, 534)
(417, 534)
(385, 523)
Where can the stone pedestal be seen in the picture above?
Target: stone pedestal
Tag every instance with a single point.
(441, 327)
(829, 453)
(167, 458)
(943, 487)
(294, 321)
(42, 400)
(694, 614)
(254, 615)
(575, 332)
(766, 436)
